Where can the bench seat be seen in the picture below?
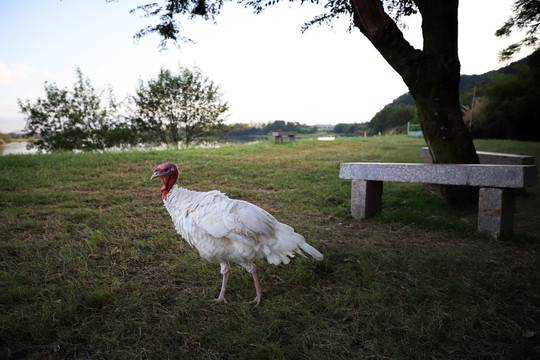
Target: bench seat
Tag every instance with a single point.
(499, 176)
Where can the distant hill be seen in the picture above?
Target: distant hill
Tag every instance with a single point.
(468, 82)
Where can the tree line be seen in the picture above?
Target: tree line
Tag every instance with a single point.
(170, 108)
(246, 130)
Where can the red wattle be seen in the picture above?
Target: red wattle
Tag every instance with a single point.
(165, 189)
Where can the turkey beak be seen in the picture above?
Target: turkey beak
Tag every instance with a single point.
(155, 175)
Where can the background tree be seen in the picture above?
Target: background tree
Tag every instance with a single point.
(356, 129)
(392, 117)
(281, 125)
(246, 131)
(73, 120)
(184, 107)
(526, 17)
(431, 74)
(510, 107)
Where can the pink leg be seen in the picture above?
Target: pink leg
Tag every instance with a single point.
(225, 270)
(258, 290)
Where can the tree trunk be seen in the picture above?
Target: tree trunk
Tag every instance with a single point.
(432, 76)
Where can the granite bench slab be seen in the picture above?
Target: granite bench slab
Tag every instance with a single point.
(496, 185)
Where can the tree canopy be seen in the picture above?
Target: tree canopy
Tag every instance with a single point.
(74, 120)
(526, 18)
(172, 13)
(391, 117)
(509, 107)
(180, 107)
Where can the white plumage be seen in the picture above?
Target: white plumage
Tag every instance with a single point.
(225, 230)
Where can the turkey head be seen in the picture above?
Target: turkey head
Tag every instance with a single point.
(168, 172)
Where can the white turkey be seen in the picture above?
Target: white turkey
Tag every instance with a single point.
(225, 230)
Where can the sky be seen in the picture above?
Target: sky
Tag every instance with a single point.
(266, 67)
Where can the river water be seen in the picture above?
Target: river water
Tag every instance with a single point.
(16, 148)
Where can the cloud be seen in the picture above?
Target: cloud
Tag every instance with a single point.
(23, 72)
(5, 74)
(13, 73)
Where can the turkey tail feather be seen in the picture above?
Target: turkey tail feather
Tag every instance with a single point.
(311, 251)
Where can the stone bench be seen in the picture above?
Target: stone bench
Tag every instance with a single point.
(278, 135)
(497, 185)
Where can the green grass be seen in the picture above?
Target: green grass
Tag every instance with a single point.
(91, 267)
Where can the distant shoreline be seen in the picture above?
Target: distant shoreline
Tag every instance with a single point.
(16, 147)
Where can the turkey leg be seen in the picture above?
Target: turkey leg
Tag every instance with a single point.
(225, 270)
(258, 290)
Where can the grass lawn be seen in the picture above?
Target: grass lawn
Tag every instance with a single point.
(91, 267)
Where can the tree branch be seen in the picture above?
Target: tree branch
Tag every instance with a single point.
(384, 34)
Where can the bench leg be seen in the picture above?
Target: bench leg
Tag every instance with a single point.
(366, 198)
(496, 211)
